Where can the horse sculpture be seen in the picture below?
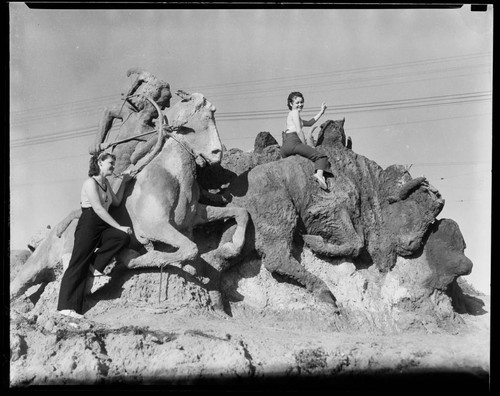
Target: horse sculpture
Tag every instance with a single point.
(161, 204)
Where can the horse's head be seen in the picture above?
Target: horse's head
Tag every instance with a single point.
(194, 124)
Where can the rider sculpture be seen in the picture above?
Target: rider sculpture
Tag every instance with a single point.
(138, 112)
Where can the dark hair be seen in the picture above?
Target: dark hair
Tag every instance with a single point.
(292, 96)
(94, 169)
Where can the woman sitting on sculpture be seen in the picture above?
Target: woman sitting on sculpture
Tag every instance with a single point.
(296, 141)
(96, 229)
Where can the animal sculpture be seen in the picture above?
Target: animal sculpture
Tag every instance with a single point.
(161, 204)
(369, 214)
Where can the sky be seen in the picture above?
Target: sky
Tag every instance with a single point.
(414, 85)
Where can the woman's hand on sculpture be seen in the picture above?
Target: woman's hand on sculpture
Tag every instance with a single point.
(125, 229)
(126, 176)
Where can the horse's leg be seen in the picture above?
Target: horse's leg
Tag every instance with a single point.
(186, 250)
(218, 257)
(206, 214)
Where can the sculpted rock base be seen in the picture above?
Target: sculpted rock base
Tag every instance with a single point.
(409, 291)
(369, 300)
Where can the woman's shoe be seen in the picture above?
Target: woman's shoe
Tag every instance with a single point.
(70, 313)
(97, 282)
(94, 272)
(321, 181)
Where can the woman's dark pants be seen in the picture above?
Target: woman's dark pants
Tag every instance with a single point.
(91, 232)
(293, 145)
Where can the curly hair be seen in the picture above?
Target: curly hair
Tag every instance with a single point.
(292, 96)
(94, 169)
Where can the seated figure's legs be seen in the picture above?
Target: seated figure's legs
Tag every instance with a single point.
(320, 160)
(293, 145)
(143, 148)
(144, 124)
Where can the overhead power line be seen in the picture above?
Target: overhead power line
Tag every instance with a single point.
(93, 106)
(249, 115)
(43, 109)
(350, 71)
(355, 82)
(375, 126)
(356, 108)
(375, 105)
(309, 80)
(95, 110)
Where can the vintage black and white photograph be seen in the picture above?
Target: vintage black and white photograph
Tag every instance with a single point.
(250, 198)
